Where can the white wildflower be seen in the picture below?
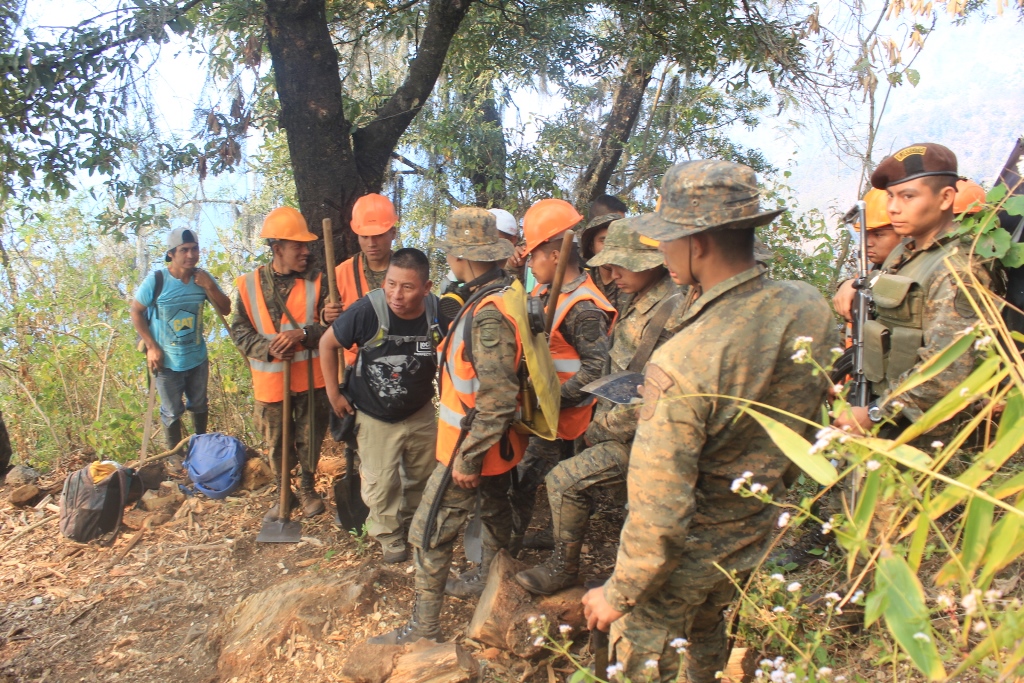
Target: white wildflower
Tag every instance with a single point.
(964, 392)
(651, 664)
(967, 330)
(778, 676)
(615, 668)
(778, 609)
(897, 405)
(838, 351)
(794, 587)
(872, 465)
(757, 489)
(992, 595)
(758, 674)
(826, 528)
(983, 342)
(979, 626)
(748, 475)
(937, 444)
(799, 355)
(531, 621)
(538, 641)
(779, 662)
(790, 677)
(970, 602)
(783, 519)
(825, 671)
(944, 600)
(719, 675)
(737, 484)
(839, 610)
(840, 679)
(833, 597)
(922, 637)
(564, 629)
(765, 663)
(777, 577)
(680, 645)
(838, 388)
(803, 340)
(857, 597)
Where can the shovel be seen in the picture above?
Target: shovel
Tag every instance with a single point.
(283, 529)
(348, 501)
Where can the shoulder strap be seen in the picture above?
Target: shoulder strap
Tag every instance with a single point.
(357, 273)
(651, 333)
(158, 286)
(380, 306)
(433, 325)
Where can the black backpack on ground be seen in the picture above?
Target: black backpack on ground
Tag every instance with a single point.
(93, 510)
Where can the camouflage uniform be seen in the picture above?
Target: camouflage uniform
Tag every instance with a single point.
(570, 485)
(585, 328)
(473, 235)
(616, 297)
(255, 345)
(737, 339)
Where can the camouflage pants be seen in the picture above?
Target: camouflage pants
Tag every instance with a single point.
(268, 421)
(541, 455)
(570, 483)
(433, 560)
(684, 608)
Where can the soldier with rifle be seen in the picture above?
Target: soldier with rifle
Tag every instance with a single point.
(919, 308)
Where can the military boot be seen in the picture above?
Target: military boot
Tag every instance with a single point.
(312, 503)
(199, 422)
(274, 512)
(540, 540)
(471, 584)
(425, 623)
(560, 571)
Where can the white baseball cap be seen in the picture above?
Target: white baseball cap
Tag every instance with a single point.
(506, 222)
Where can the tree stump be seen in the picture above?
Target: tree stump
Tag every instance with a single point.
(369, 663)
(427, 662)
(504, 613)
(26, 495)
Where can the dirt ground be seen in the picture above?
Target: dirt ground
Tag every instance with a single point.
(68, 612)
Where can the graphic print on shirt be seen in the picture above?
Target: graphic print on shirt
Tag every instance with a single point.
(385, 374)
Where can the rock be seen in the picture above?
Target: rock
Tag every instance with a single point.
(29, 494)
(368, 663)
(20, 475)
(257, 474)
(162, 500)
(503, 614)
(251, 630)
(428, 662)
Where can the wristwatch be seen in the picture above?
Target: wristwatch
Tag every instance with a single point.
(875, 414)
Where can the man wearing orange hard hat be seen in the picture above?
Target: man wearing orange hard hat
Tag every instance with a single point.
(881, 239)
(373, 222)
(579, 345)
(279, 313)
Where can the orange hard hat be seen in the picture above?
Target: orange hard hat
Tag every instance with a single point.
(876, 213)
(968, 193)
(373, 214)
(286, 223)
(546, 219)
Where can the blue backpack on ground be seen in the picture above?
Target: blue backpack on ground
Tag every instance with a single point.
(215, 464)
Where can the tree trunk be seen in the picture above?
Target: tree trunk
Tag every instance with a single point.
(332, 169)
(626, 104)
(488, 177)
(309, 89)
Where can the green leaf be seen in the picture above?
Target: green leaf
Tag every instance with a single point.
(973, 541)
(993, 244)
(906, 615)
(996, 194)
(1014, 257)
(999, 552)
(875, 605)
(1014, 205)
(797, 449)
(895, 78)
(914, 77)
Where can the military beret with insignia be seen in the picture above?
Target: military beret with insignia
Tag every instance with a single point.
(916, 161)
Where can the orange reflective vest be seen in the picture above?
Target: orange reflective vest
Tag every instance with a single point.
(268, 376)
(459, 385)
(351, 290)
(573, 420)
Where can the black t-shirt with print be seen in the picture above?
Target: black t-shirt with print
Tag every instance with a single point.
(395, 379)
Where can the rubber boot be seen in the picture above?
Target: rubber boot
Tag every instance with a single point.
(560, 571)
(273, 513)
(312, 503)
(199, 421)
(425, 623)
(471, 584)
(172, 434)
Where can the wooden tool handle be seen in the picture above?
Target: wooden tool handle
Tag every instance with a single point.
(332, 283)
(556, 285)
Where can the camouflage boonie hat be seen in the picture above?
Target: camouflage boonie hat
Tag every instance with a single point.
(704, 195)
(473, 235)
(623, 247)
(589, 232)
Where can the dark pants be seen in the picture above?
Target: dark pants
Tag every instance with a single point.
(173, 385)
(268, 419)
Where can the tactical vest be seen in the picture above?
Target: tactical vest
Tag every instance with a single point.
(892, 341)
(268, 376)
(379, 302)
(573, 420)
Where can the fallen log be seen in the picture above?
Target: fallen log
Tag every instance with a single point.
(509, 617)
(428, 662)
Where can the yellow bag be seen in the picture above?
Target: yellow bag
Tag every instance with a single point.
(546, 389)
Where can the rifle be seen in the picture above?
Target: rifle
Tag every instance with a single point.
(860, 392)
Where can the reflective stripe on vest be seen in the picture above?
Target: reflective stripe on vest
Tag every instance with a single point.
(459, 384)
(573, 420)
(268, 376)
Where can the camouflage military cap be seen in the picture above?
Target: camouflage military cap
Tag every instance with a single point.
(473, 235)
(625, 248)
(704, 195)
(916, 161)
(589, 232)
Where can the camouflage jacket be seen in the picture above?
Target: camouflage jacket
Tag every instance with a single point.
(494, 358)
(244, 333)
(737, 340)
(618, 422)
(946, 314)
(585, 328)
